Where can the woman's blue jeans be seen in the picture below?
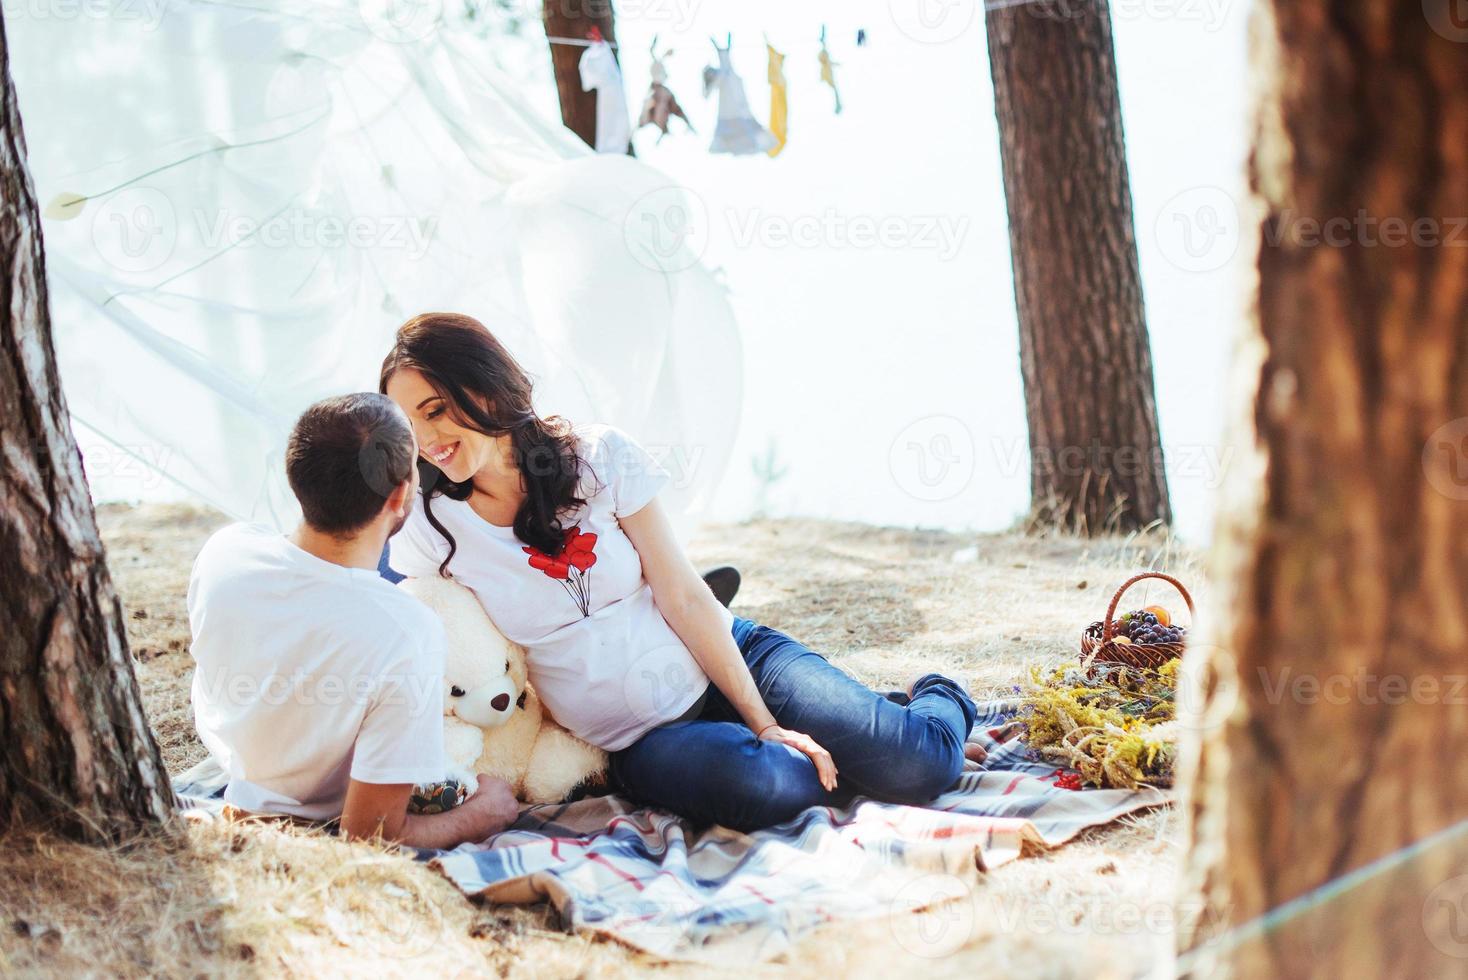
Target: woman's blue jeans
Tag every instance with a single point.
(712, 769)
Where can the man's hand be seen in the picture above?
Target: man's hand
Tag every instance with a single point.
(492, 808)
(377, 810)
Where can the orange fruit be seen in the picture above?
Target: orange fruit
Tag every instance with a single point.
(1164, 618)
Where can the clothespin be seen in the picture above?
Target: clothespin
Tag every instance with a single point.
(594, 35)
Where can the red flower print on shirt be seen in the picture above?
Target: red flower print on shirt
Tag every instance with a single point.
(571, 566)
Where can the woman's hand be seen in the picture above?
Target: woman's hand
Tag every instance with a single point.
(825, 765)
(702, 624)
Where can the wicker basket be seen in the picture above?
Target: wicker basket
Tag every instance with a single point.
(1096, 640)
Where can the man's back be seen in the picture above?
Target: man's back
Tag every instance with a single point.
(309, 673)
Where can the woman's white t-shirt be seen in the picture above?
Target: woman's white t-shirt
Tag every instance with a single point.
(602, 657)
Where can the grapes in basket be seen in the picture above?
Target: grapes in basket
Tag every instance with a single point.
(1152, 624)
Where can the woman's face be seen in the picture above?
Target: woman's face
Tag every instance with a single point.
(457, 451)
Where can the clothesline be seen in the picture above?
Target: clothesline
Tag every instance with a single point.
(737, 132)
(579, 42)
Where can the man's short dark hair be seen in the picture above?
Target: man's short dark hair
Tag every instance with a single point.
(345, 457)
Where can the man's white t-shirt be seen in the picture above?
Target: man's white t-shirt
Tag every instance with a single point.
(601, 656)
(309, 673)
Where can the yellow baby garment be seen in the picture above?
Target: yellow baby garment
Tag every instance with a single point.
(779, 105)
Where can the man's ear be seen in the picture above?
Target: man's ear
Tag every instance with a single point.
(399, 500)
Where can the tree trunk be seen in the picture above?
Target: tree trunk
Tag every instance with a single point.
(76, 754)
(1337, 712)
(574, 19)
(1096, 456)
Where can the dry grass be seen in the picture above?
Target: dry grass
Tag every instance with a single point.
(886, 604)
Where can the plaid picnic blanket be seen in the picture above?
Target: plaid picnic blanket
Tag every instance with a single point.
(655, 882)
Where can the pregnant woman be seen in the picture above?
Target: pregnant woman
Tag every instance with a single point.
(560, 534)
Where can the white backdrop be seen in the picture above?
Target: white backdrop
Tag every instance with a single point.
(244, 201)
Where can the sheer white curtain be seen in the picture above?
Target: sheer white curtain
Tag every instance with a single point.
(245, 199)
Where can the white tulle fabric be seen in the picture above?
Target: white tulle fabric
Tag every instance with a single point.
(244, 200)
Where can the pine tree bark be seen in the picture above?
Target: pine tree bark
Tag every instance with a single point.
(1335, 721)
(1096, 455)
(574, 19)
(76, 753)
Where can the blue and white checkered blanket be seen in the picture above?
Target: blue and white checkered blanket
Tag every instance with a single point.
(653, 881)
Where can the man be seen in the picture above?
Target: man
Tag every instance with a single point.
(319, 686)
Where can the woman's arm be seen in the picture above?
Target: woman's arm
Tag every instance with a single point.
(698, 619)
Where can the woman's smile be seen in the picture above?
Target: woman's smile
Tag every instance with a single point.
(442, 453)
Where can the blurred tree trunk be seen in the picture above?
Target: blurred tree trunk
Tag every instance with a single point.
(574, 19)
(1096, 456)
(76, 754)
(1335, 728)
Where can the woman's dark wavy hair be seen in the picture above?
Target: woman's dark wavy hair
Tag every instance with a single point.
(487, 391)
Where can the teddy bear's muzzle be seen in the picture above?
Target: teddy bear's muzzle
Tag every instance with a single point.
(487, 706)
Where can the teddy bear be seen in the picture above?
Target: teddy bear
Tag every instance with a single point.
(494, 722)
